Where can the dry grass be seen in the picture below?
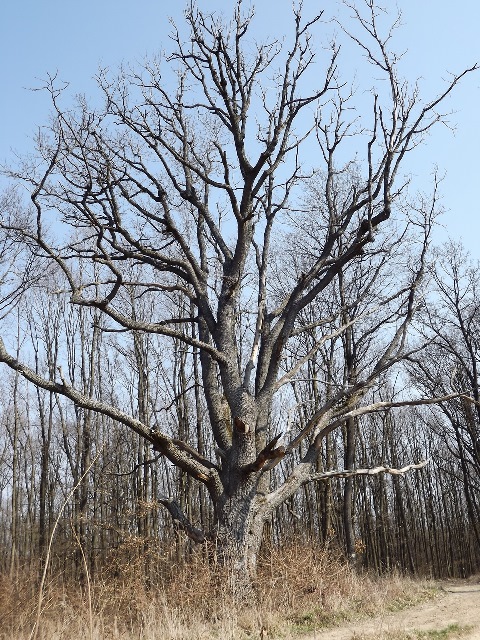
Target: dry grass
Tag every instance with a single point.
(299, 589)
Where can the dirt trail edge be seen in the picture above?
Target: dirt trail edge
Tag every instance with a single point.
(457, 603)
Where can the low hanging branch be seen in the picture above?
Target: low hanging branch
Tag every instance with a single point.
(181, 521)
(349, 473)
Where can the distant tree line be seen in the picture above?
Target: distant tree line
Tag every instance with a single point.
(424, 522)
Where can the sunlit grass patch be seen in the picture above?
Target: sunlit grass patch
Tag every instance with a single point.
(451, 632)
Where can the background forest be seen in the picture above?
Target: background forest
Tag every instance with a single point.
(426, 521)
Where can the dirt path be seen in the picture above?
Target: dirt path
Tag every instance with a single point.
(457, 603)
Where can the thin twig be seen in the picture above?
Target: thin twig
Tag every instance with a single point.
(33, 635)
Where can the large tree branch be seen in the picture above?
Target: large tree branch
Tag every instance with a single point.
(177, 452)
(181, 521)
(160, 328)
(350, 473)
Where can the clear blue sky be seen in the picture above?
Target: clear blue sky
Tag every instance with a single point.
(42, 36)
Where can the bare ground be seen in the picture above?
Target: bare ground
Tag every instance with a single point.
(458, 603)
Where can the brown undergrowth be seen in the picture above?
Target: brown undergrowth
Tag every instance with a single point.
(299, 588)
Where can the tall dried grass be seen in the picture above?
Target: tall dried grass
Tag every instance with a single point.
(300, 587)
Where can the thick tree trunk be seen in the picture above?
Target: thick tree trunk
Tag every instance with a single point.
(238, 536)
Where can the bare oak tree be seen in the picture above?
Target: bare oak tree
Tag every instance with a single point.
(179, 187)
